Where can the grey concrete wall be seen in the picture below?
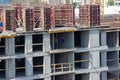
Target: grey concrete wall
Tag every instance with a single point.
(95, 76)
(47, 64)
(10, 63)
(46, 42)
(68, 40)
(28, 50)
(103, 75)
(103, 39)
(103, 54)
(47, 58)
(94, 59)
(93, 38)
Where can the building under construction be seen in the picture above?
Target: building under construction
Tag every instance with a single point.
(48, 43)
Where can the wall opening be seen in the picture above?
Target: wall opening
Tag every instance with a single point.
(112, 39)
(81, 60)
(61, 40)
(20, 67)
(81, 39)
(112, 59)
(37, 42)
(112, 76)
(63, 77)
(19, 44)
(2, 68)
(2, 46)
(82, 77)
(38, 65)
(62, 62)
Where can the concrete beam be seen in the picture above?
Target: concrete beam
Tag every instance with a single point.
(82, 71)
(101, 48)
(36, 54)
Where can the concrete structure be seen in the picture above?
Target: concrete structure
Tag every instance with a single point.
(86, 54)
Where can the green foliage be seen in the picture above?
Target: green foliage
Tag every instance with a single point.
(74, 4)
(17, 1)
(110, 2)
(35, 2)
(67, 1)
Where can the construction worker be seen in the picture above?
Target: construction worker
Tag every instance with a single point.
(19, 22)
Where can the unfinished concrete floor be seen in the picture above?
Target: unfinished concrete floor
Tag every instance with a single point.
(81, 55)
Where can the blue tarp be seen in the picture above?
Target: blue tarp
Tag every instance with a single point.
(0, 24)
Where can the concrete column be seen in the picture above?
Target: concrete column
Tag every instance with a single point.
(28, 61)
(47, 78)
(47, 64)
(29, 66)
(103, 53)
(103, 39)
(47, 67)
(94, 59)
(46, 42)
(103, 58)
(104, 76)
(10, 64)
(117, 42)
(47, 59)
(93, 38)
(95, 76)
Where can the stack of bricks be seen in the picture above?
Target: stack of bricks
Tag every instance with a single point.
(89, 15)
(64, 15)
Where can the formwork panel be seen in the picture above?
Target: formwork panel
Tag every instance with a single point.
(64, 15)
(89, 15)
(10, 22)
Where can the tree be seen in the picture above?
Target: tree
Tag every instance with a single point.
(110, 2)
(16, 1)
(67, 1)
(74, 4)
